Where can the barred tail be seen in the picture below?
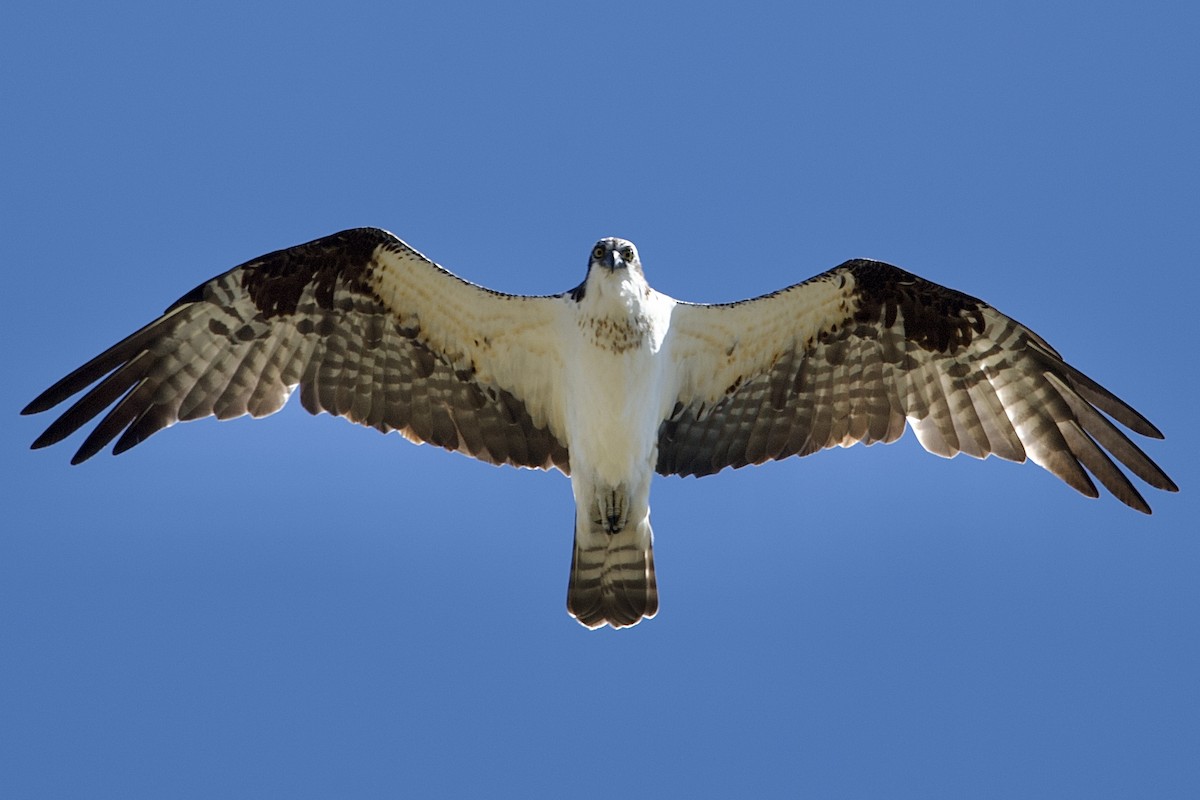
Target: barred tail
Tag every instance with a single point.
(612, 575)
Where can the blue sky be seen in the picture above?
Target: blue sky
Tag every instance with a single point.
(298, 607)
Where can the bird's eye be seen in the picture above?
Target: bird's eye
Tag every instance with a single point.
(598, 252)
(627, 253)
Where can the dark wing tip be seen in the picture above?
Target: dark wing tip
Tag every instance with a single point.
(39, 404)
(45, 440)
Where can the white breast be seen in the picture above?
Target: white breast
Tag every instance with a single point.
(618, 382)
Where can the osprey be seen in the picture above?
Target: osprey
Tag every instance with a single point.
(609, 382)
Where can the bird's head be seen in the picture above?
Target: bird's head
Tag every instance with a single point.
(614, 255)
(614, 271)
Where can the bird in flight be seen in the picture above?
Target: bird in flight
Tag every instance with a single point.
(609, 382)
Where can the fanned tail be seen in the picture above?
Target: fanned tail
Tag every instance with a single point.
(612, 574)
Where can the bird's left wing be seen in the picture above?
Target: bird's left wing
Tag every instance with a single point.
(367, 327)
(855, 353)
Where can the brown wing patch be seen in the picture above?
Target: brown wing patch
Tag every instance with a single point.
(276, 282)
(935, 318)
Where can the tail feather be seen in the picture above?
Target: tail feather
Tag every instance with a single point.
(612, 575)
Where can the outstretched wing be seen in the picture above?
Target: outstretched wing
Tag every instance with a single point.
(367, 327)
(854, 354)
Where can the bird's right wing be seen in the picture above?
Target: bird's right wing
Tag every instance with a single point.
(367, 327)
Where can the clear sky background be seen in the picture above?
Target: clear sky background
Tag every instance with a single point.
(298, 607)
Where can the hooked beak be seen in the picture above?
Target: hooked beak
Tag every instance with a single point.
(613, 260)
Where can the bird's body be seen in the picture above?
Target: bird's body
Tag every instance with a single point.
(617, 375)
(610, 382)
(619, 385)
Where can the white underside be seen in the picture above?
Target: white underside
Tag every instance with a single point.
(614, 402)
